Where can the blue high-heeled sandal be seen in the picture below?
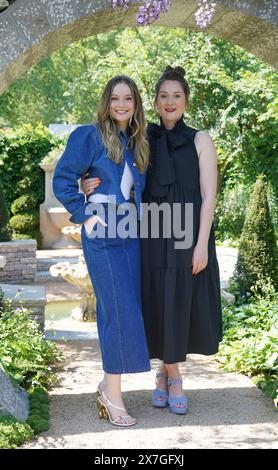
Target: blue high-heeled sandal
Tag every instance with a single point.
(160, 397)
(175, 401)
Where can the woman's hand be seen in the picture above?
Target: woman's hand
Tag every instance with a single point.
(88, 185)
(199, 259)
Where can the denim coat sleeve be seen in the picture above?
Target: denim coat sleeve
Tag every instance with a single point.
(81, 148)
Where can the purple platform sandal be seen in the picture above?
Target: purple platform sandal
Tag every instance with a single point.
(160, 397)
(175, 401)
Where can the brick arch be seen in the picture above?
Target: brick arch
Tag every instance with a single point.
(30, 30)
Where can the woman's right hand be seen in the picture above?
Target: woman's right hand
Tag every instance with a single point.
(88, 185)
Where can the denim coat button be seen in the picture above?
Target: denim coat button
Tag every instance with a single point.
(134, 164)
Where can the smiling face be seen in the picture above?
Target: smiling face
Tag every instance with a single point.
(122, 105)
(171, 102)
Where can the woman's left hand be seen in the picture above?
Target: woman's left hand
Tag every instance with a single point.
(88, 185)
(199, 259)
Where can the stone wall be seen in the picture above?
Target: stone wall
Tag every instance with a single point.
(21, 262)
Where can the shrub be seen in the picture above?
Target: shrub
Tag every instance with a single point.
(13, 433)
(21, 152)
(38, 417)
(258, 254)
(24, 353)
(32, 235)
(250, 339)
(29, 360)
(25, 203)
(22, 178)
(24, 223)
(6, 234)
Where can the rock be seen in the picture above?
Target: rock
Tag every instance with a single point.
(3, 5)
(13, 399)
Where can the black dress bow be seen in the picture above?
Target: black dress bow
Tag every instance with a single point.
(162, 169)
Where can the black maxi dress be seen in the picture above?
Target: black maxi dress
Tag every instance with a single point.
(182, 312)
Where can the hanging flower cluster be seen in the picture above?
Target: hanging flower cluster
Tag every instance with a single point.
(152, 9)
(120, 3)
(205, 13)
(150, 12)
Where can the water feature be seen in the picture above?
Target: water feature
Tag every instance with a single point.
(61, 325)
(55, 311)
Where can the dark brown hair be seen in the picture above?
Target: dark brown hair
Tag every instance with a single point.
(173, 73)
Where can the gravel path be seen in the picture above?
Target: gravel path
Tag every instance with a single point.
(226, 409)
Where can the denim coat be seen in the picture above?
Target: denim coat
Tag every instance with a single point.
(85, 152)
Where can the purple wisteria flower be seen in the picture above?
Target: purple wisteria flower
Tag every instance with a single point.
(205, 13)
(120, 3)
(152, 9)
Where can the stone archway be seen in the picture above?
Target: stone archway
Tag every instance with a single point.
(32, 29)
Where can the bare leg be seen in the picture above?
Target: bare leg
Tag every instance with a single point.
(111, 386)
(173, 373)
(162, 380)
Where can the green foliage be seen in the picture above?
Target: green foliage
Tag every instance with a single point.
(21, 151)
(273, 207)
(25, 224)
(230, 212)
(2, 302)
(29, 360)
(6, 234)
(4, 214)
(13, 433)
(54, 155)
(258, 254)
(4, 218)
(250, 340)
(24, 353)
(32, 235)
(25, 203)
(22, 223)
(38, 417)
(233, 96)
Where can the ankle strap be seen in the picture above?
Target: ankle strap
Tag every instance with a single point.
(112, 404)
(174, 381)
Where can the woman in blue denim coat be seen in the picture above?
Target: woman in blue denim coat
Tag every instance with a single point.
(115, 150)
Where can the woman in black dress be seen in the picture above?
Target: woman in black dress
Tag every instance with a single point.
(180, 286)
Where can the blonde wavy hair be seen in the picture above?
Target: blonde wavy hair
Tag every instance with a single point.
(136, 129)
